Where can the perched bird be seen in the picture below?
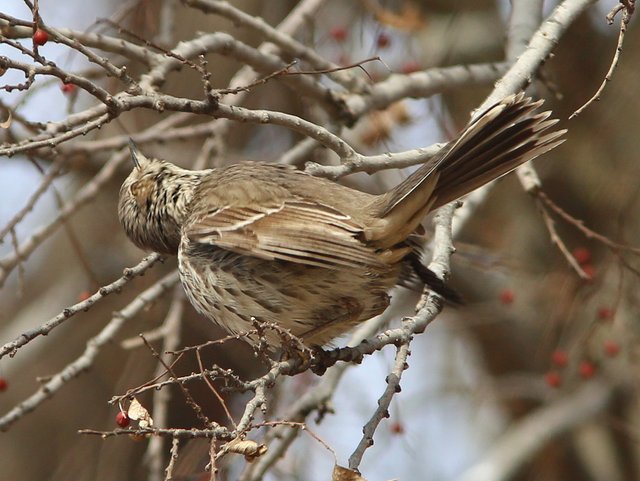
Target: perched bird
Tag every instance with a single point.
(269, 242)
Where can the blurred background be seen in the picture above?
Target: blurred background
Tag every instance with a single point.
(536, 351)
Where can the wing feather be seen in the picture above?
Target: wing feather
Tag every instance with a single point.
(294, 230)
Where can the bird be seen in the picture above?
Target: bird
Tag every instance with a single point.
(268, 243)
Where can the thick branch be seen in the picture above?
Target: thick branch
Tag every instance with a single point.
(526, 437)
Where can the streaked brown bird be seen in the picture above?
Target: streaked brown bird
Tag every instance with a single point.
(267, 241)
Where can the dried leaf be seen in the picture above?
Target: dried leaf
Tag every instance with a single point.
(410, 18)
(345, 474)
(7, 123)
(137, 412)
(399, 112)
(249, 449)
(377, 130)
(380, 124)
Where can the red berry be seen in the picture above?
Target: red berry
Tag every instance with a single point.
(122, 419)
(68, 88)
(339, 34)
(396, 428)
(586, 369)
(560, 358)
(611, 348)
(605, 313)
(40, 37)
(582, 255)
(507, 296)
(344, 59)
(589, 271)
(3, 384)
(410, 66)
(83, 296)
(383, 40)
(553, 379)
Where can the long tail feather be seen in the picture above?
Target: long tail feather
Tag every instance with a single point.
(505, 136)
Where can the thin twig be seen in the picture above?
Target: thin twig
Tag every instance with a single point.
(382, 411)
(628, 9)
(84, 362)
(215, 392)
(215, 432)
(129, 273)
(154, 455)
(49, 177)
(173, 457)
(579, 224)
(197, 409)
(557, 240)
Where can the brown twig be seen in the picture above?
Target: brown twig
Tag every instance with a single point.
(129, 273)
(628, 7)
(216, 432)
(69, 230)
(93, 346)
(260, 81)
(173, 457)
(382, 411)
(47, 179)
(579, 224)
(557, 240)
(155, 383)
(358, 64)
(154, 455)
(215, 392)
(215, 342)
(213, 468)
(302, 427)
(197, 409)
(149, 43)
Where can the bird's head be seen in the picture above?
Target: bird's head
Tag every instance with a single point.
(153, 202)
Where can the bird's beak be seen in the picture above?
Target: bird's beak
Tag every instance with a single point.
(136, 155)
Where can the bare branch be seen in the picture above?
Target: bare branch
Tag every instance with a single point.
(84, 362)
(12, 347)
(382, 411)
(526, 437)
(626, 18)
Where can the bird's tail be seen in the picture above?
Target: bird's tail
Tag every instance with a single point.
(496, 142)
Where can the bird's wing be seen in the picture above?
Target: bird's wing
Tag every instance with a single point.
(297, 230)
